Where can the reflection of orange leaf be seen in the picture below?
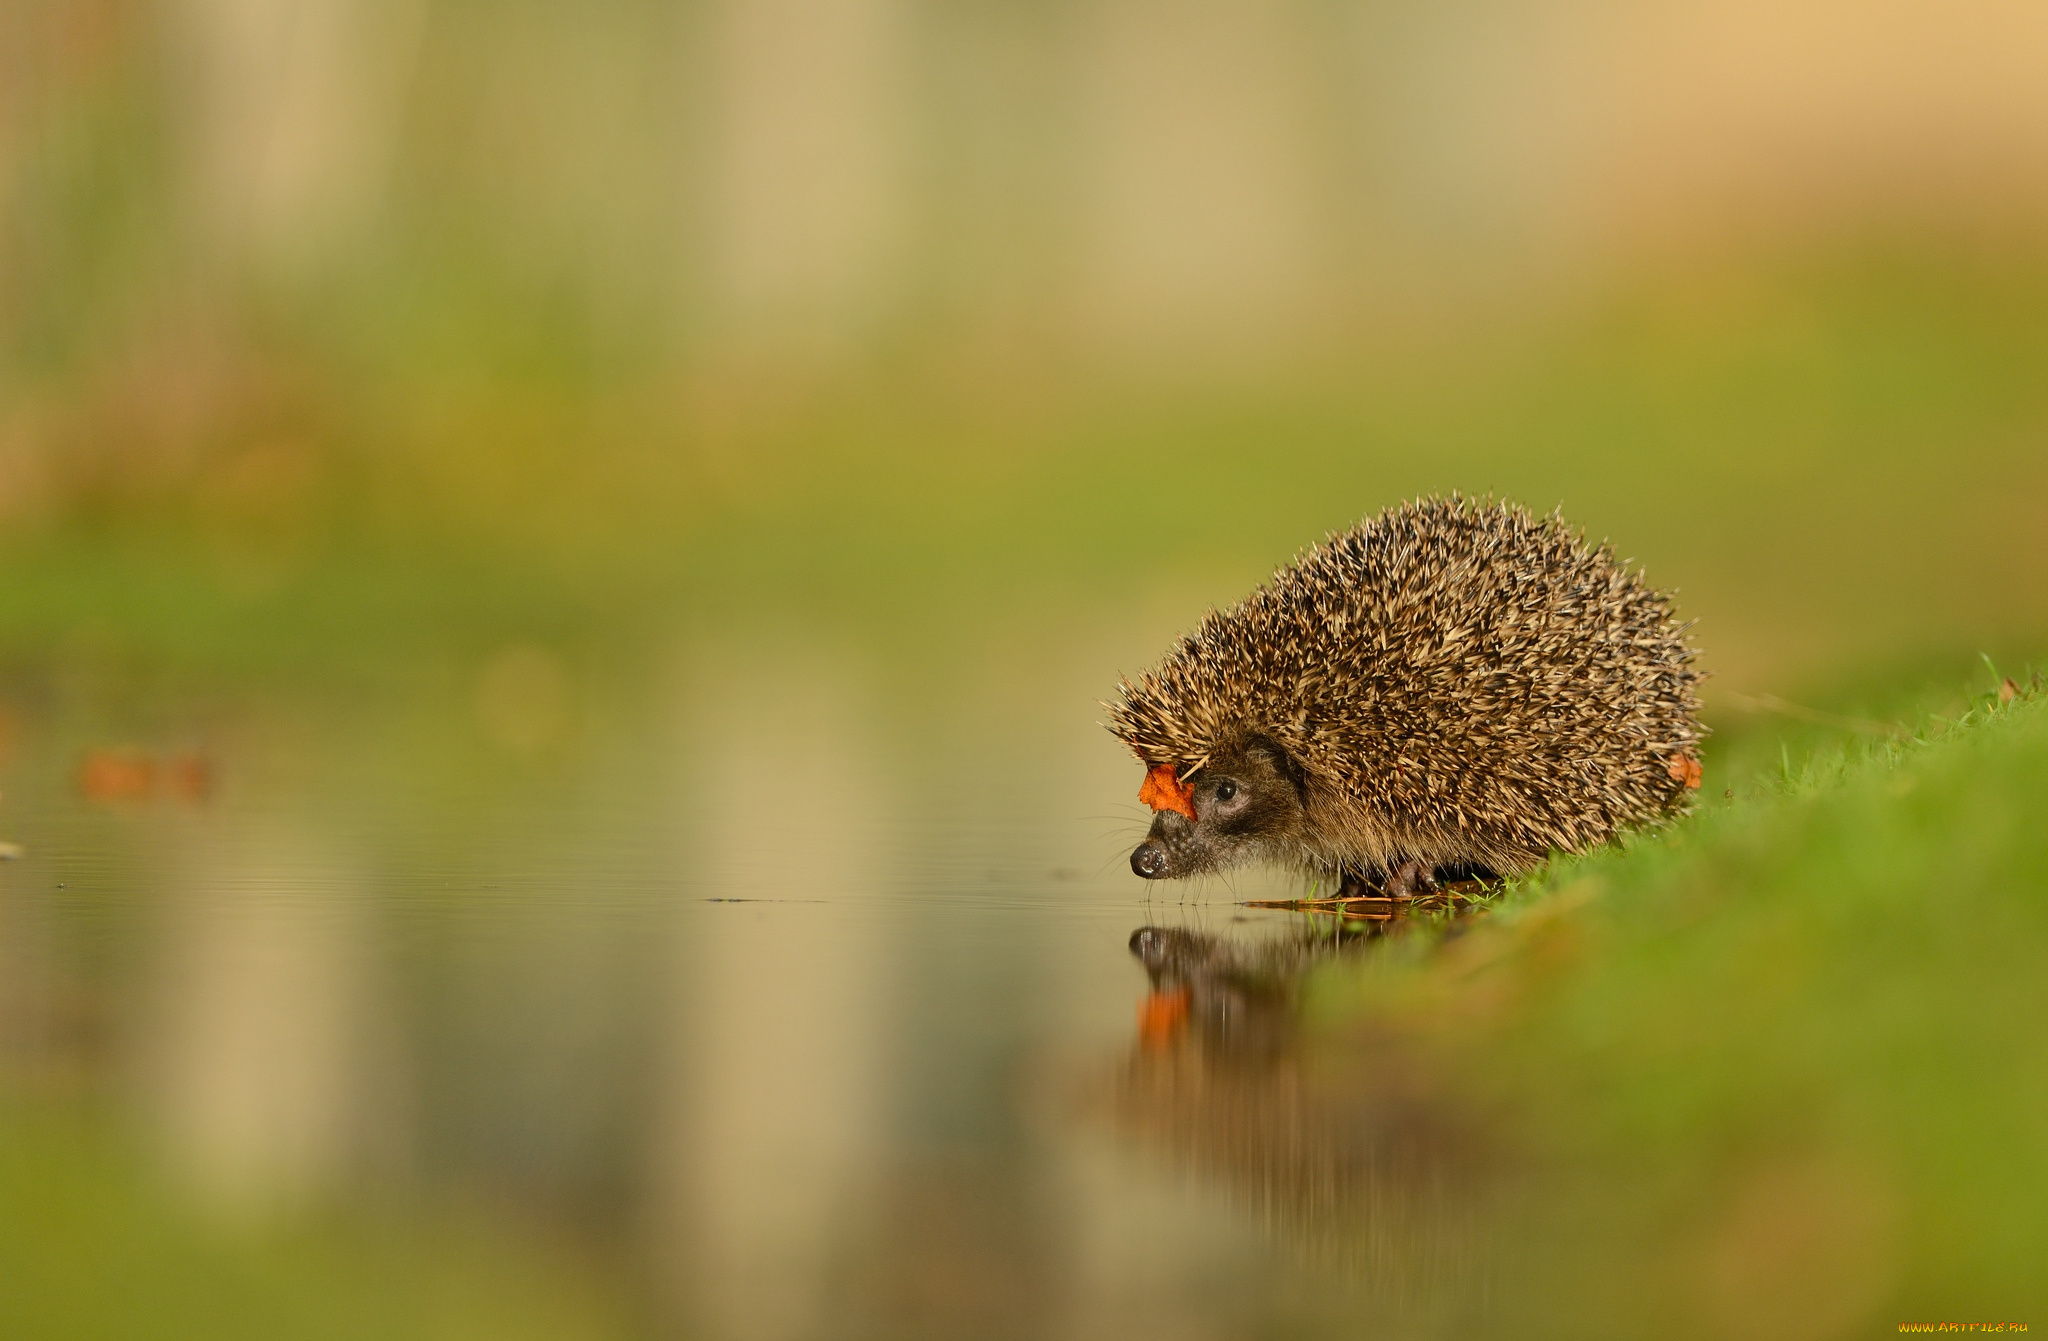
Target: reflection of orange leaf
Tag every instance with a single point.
(1685, 770)
(116, 775)
(1161, 1016)
(1163, 790)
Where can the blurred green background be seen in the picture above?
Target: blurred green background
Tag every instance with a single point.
(495, 436)
(884, 308)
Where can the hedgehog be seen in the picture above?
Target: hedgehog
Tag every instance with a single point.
(1451, 689)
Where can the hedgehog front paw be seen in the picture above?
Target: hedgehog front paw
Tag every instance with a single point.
(1410, 878)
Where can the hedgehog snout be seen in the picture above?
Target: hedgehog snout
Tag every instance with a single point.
(1162, 856)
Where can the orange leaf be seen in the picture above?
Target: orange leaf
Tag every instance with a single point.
(1685, 770)
(124, 773)
(1163, 790)
(116, 775)
(189, 777)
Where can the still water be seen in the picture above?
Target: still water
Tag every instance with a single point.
(738, 1003)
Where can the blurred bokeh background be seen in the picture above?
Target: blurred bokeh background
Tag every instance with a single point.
(496, 476)
(989, 298)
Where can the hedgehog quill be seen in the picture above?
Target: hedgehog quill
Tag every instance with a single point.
(1451, 688)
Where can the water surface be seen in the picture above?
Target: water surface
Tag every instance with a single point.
(724, 1005)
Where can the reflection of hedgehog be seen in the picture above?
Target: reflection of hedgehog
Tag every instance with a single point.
(1450, 686)
(1241, 997)
(1343, 1141)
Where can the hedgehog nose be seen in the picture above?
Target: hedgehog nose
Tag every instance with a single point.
(1149, 859)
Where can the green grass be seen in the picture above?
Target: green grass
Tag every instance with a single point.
(1780, 1070)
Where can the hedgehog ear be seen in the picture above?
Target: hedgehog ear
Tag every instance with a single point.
(1262, 746)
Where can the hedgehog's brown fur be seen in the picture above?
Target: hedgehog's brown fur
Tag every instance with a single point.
(1455, 683)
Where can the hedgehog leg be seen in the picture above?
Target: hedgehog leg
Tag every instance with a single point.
(1360, 885)
(1410, 878)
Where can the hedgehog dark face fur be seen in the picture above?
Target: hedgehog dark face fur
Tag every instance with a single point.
(1248, 806)
(1447, 687)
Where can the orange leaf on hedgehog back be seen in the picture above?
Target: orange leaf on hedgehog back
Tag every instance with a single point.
(1163, 790)
(1686, 770)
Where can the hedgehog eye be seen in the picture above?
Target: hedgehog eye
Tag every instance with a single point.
(1225, 790)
